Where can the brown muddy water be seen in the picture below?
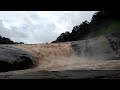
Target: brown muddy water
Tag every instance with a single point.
(62, 56)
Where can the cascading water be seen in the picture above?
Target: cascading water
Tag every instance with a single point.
(88, 54)
(91, 54)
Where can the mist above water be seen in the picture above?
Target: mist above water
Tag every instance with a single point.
(61, 56)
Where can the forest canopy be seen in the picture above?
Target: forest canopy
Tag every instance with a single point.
(98, 20)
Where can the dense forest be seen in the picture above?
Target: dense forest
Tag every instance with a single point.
(101, 19)
(4, 40)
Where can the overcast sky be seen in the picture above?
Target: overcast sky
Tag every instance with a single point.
(39, 26)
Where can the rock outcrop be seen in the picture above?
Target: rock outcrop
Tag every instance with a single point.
(15, 59)
(96, 48)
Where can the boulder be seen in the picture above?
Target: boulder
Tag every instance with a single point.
(15, 59)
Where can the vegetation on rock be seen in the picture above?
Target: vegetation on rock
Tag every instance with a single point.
(99, 25)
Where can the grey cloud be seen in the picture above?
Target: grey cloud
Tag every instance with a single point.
(13, 33)
(41, 27)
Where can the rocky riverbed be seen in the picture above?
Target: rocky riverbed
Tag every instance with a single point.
(86, 59)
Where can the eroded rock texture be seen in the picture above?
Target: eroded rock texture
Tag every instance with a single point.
(15, 59)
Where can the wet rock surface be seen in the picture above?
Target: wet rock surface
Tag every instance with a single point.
(96, 48)
(14, 59)
(67, 74)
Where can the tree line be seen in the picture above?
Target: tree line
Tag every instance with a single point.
(79, 32)
(4, 40)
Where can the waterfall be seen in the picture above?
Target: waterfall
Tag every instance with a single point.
(84, 54)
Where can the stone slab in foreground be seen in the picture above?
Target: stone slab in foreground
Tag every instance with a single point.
(67, 74)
